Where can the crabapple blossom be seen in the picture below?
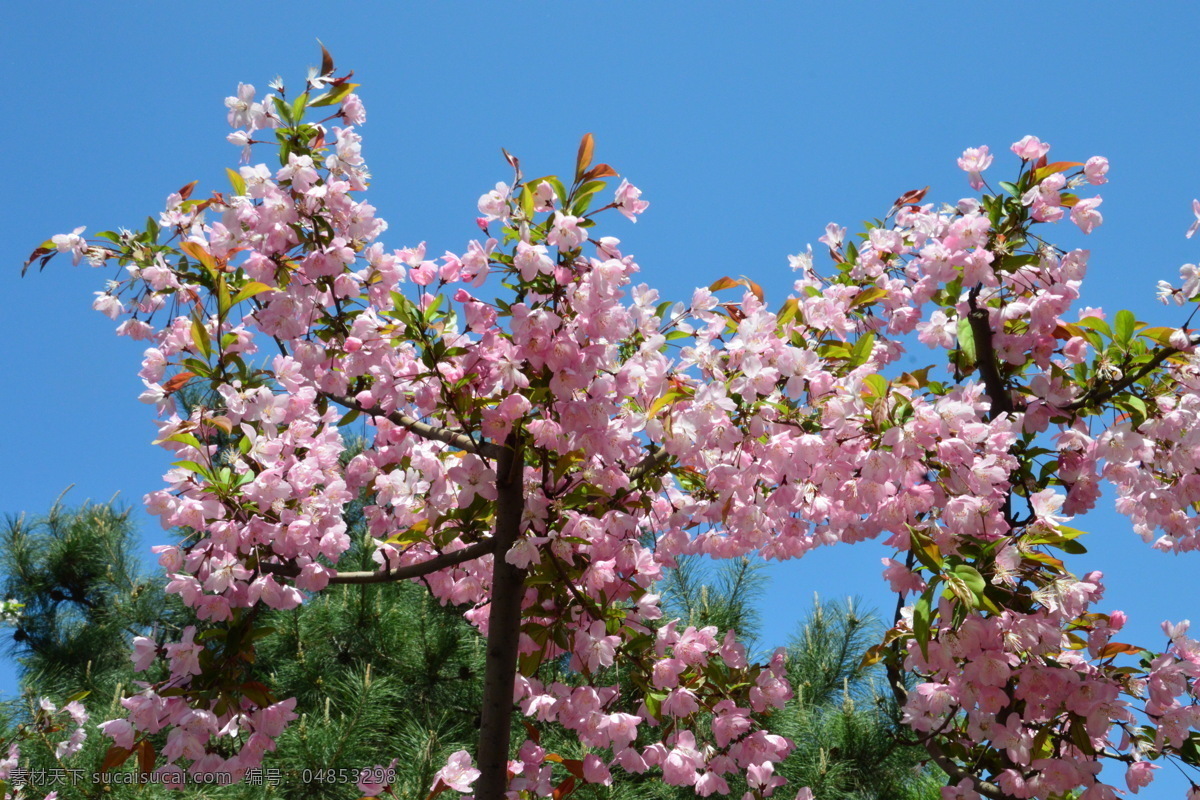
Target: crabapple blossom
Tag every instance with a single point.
(1030, 148)
(542, 458)
(458, 774)
(628, 200)
(974, 161)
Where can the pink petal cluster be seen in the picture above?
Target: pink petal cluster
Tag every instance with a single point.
(650, 431)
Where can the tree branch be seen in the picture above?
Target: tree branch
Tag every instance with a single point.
(985, 357)
(426, 431)
(936, 753)
(399, 573)
(653, 460)
(1092, 396)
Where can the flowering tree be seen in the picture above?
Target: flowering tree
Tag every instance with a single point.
(541, 457)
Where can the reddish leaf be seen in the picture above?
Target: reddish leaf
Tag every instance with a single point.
(534, 734)
(186, 191)
(115, 757)
(574, 766)
(41, 251)
(1114, 648)
(565, 788)
(1042, 172)
(257, 692)
(600, 171)
(584, 159)
(146, 756)
(512, 160)
(200, 254)
(176, 383)
(910, 198)
(727, 282)
(326, 60)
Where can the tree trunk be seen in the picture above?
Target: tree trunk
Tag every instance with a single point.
(504, 625)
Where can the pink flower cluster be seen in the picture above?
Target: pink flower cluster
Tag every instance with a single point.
(647, 431)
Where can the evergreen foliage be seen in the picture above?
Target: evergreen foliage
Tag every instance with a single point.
(384, 672)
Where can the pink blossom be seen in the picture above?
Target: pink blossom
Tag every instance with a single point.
(185, 654)
(833, 236)
(1085, 215)
(353, 111)
(144, 652)
(532, 260)
(1175, 630)
(566, 233)
(1095, 169)
(1030, 148)
(974, 161)
(458, 774)
(1190, 231)
(1189, 274)
(75, 244)
(120, 731)
(1139, 774)
(595, 648)
(628, 200)
(243, 111)
(494, 204)
(595, 771)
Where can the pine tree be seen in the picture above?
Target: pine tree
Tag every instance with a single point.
(384, 668)
(844, 719)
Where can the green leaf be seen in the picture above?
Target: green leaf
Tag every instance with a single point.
(791, 307)
(923, 619)
(591, 187)
(877, 384)
(925, 549)
(868, 295)
(185, 438)
(1096, 324)
(527, 201)
(862, 350)
(197, 366)
(654, 701)
(238, 182)
(223, 300)
(251, 289)
(559, 189)
(1125, 324)
(283, 108)
(971, 577)
(335, 95)
(966, 342)
(200, 338)
(192, 466)
(851, 253)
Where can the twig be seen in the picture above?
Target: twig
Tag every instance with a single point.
(399, 573)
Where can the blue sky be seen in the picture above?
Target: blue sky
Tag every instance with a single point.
(747, 126)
